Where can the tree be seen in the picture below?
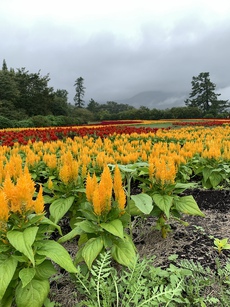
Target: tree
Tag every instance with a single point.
(93, 106)
(35, 95)
(8, 85)
(204, 97)
(62, 94)
(59, 105)
(4, 66)
(80, 91)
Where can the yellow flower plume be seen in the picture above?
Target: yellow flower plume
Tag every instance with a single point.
(119, 192)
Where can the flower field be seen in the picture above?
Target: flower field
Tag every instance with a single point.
(86, 174)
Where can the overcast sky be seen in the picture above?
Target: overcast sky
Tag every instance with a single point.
(120, 47)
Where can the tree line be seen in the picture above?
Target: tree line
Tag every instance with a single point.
(26, 100)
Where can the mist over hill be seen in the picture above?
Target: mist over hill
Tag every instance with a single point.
(156, 100)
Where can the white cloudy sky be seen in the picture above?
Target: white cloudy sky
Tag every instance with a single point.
(120, 47)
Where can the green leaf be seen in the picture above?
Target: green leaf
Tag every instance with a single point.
(22, 241)
(91, 250)
(7, 300)
(143, 202)
(180, 187)
(132, 209)
(72, 234)
(164, 202)
(33, 294)
(215, 179)
(88, 227)
(114, 227)
(123, 251)
(206, 172)
(47, 199)
(35, 218)
(47, 221)
(188, 205)
(26, 275)
(45, 270)
(129, 168)
(59, 208)
(7, 270)
(58, 254)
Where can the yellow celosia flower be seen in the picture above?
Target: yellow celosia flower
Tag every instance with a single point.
(91, 184)
(19, 195)
(4, 209)
(50, 184)
(23, 193)
(100, 195)
(105, 187)
(97, 208)
(119, 192)
(165, 170)
(38, 204)
(14, 166)
(68, 171)
(83, 171)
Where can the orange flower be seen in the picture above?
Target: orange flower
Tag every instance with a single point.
(19, 196)
(38, 204)
(119, 192)
(9, 189)
(105, 186)
(50, 184)
(100, 194)
(4, 209)
(97, 202)
(91, 184)
(64, 173)
(83, 170)
(24, 192)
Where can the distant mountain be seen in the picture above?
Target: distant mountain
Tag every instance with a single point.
(156, 100)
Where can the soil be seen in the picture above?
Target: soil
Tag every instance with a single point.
(193, 242)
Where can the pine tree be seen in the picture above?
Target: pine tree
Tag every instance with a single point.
(80, 91)
(203, 96)
(4, 66)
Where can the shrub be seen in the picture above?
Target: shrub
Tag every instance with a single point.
(26, 123)
(5, 123)
(41, 121)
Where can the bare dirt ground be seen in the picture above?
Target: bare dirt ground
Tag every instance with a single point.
(193, 242)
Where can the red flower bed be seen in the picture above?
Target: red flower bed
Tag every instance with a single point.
(8, 138)
(203, 123)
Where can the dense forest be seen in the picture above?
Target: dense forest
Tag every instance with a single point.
(26, 100)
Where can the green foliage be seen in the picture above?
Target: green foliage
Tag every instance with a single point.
(26, 123)
(26, 256)
(204, 97)
(8, 86)
(35, 95)
(206, 287)
(212, 172)
(142, 285)
(5, 122)
(186, 284)
(99, 233)
(221, 244)
(80, 91)
(161, 201)
(81, 115)
(40, 121)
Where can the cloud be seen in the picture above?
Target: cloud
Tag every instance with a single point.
(119, 49)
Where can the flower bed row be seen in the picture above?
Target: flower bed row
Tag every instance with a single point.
(206, 123)
(73, 173)
(9, 137)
